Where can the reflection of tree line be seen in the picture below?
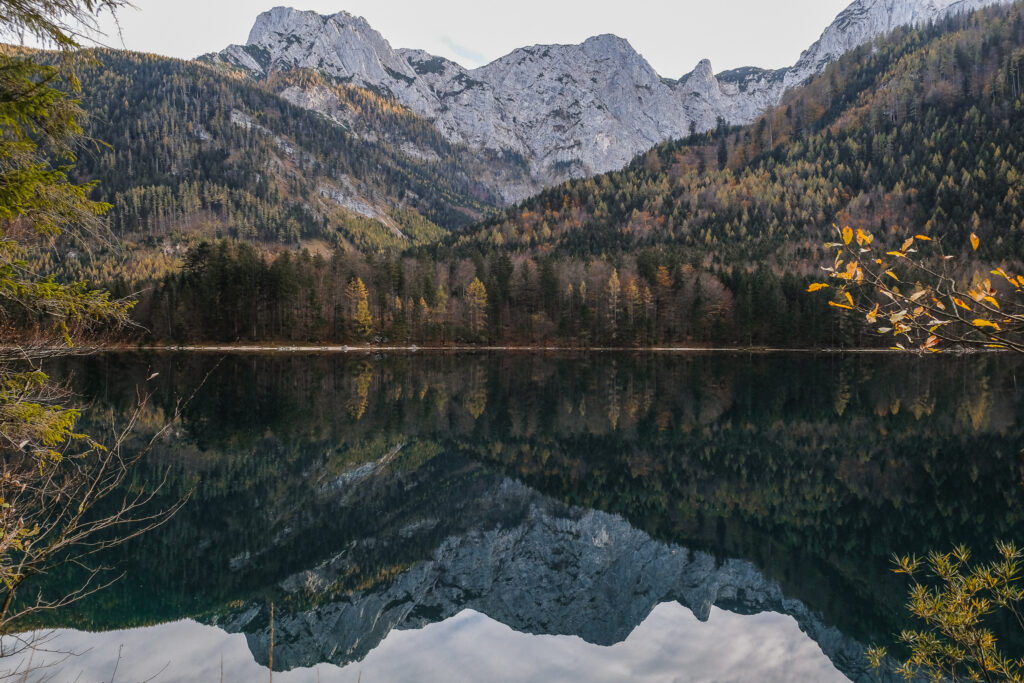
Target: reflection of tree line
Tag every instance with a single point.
(456, 394)
(642, 395)
(816, 470)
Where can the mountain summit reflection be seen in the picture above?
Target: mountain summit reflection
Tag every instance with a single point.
(581, 496)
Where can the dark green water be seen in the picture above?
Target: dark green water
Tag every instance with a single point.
(556, 495)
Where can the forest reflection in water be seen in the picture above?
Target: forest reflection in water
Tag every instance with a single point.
(565, 494)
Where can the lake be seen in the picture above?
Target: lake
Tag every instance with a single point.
(529, 516)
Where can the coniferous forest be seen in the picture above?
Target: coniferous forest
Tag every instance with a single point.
(246, 218)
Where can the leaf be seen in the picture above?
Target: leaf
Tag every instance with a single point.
(1005, 276)
(852, 271)
(873, 315)
(918, 294)
(906, 245)
(849, 297)
(864, 238)
(961, 304)
(833, 303)
(992, 301)
(931, 341)
(981, 322)
(847, 235)
(926, 238)
(817, 287)
(974, 241)
(892, 275)
(884, 330)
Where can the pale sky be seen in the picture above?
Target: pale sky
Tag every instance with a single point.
(765, 647)
(673, 35)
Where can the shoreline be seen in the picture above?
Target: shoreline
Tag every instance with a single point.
(268, 347)
(413, 348)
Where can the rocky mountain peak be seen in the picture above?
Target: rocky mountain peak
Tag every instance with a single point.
(284, 21)
(564, 110)
(342, 45)
(704, 72)
(608, 46)
(865, 20)
(287, 22)
(608, 52)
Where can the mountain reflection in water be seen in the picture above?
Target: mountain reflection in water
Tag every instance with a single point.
(384, 502)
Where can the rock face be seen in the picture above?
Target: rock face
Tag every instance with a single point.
(554, 570)
(563, 111)
(865, 20)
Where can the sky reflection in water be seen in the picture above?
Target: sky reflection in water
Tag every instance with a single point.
(671, 645)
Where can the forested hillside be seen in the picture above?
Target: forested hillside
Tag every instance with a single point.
(183, 149)
(922, 130)
(710, 240)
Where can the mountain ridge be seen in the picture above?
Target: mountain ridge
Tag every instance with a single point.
(569, 111)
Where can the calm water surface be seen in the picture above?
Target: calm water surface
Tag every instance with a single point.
(539, 517)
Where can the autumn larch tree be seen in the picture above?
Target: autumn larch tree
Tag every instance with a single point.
(476, 300)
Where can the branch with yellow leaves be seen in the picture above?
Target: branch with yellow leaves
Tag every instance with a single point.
(956, 600)
(919, 296)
